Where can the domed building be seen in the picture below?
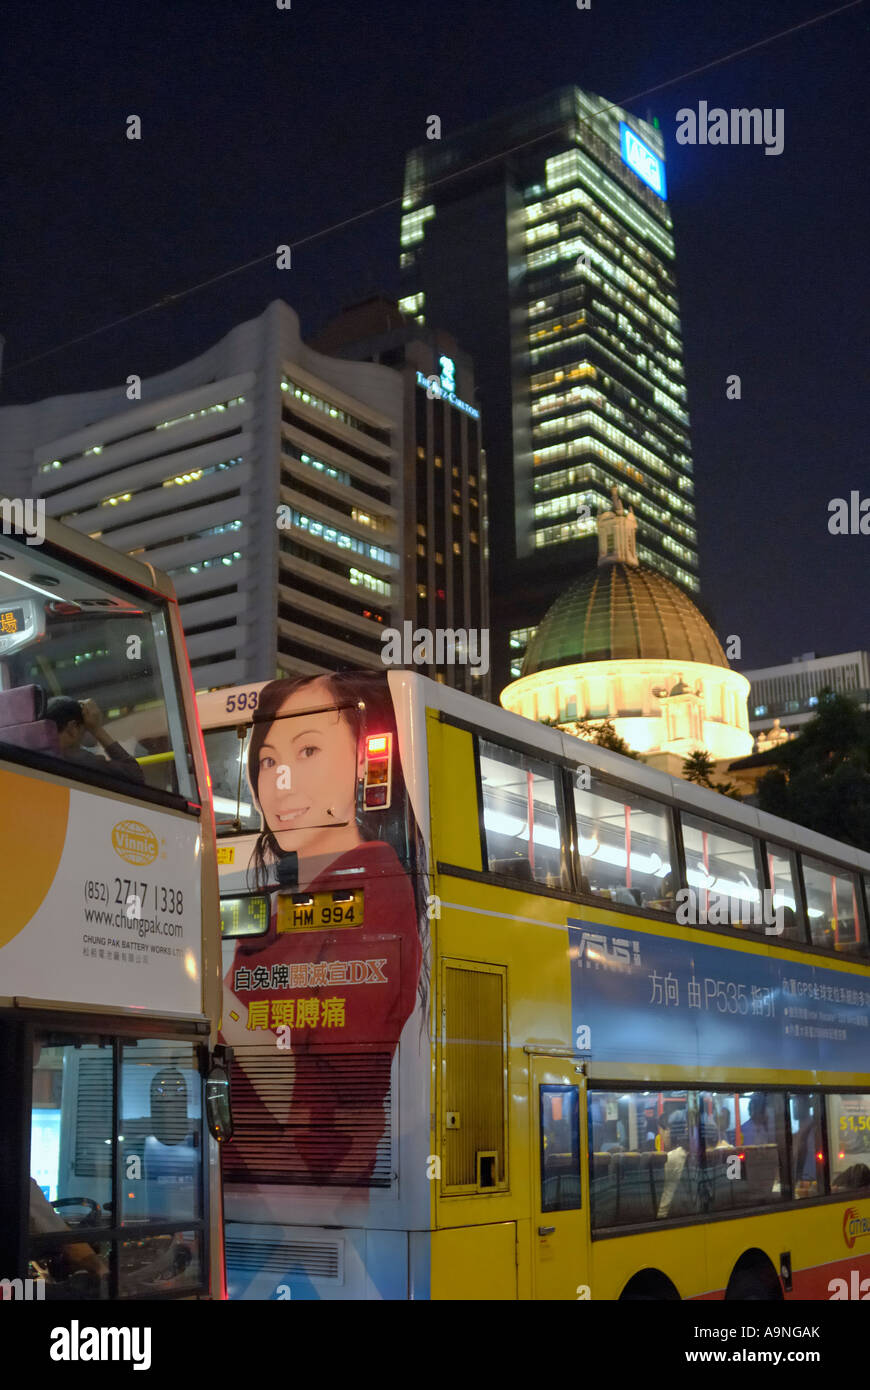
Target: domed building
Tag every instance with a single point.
(625, 643)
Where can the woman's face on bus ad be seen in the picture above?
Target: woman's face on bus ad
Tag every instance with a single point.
(308, 774)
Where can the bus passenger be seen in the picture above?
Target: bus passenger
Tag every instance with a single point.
(756, 1129)
(678, 1132)
(74, 719)
(724, 1130)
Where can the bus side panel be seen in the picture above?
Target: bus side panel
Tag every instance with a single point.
(475, 1262)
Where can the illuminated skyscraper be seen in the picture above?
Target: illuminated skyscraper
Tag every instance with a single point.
(542, 239)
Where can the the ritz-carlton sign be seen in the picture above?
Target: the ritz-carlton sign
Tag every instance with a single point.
(443, 387)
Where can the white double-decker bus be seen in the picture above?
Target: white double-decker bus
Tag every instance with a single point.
(109, 936)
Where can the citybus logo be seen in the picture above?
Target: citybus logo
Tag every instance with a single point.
(854, 1226)
(597, 950)
(134, 842)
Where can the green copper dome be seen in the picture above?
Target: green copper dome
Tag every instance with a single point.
(622, 612)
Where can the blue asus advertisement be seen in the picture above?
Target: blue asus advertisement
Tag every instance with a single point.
(635, 995)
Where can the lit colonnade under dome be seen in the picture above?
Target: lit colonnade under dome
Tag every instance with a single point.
(627, 644)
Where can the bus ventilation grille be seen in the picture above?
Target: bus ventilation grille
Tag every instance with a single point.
(307, 1258)
(318, 1119)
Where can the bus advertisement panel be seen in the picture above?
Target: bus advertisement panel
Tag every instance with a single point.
(325, 980)
(124, 884)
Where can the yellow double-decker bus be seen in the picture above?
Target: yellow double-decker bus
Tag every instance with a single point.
(109, 936)
(517, 1017)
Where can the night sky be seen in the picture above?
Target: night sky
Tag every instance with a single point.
(263, 126)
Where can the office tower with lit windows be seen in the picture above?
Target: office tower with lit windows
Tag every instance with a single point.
(542, 239)
(445, 555)
(264, 477)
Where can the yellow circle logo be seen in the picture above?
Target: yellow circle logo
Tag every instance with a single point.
(134, 842)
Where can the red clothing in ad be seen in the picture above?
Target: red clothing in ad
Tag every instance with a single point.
(331, 989)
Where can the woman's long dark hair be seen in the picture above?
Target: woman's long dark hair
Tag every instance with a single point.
(364, 700)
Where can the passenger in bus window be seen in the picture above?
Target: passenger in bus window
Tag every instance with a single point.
(677, 1152)
(756, 1130)
(74, 720)
(313, 818)
(723, 1126)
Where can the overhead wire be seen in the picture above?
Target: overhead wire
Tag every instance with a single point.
(174, 298)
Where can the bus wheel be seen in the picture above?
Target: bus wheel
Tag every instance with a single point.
(754, 1282)
(649, 1286)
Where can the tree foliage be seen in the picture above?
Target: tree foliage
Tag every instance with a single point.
(699, 767)
(604, 734)
(821, 778)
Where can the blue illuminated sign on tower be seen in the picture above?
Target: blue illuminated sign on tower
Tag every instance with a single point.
(641, 159)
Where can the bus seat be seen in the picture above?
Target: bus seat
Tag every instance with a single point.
(634, 1191)
(22, 721)
(513, 868)
(603, 1190)
(762, 1170)
(686, 1200)
(722, 1187)
(656, 1163)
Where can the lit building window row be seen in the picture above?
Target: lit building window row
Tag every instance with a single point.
(673, 571)
(520, 637)
(554, 452)
(198, 414)
(574, 396)
(635, 252)
(564, 531)
(663, 399)
(557, 506)
(541, 233)
(179, 480)
(600, 334)
(372, 520)
(676, 549)
(208, 564)
(307, 397)
(568, 168)
(182, 479)
(370, 581)
(54, 464)
(413, 225)
(570, 477)
(579, 394)
(555, 376)
(638, 201)
(342, 539)
(412, 303)
(543, 381)
(589, 419)
(586, 240)
(613, 273)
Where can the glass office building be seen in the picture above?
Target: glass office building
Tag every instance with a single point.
(542, 239)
